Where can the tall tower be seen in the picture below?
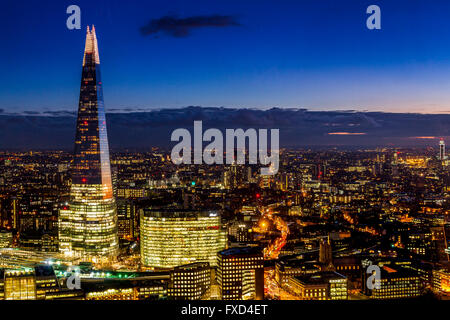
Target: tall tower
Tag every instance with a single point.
(442, 149)
(88, 225)
(326, 254)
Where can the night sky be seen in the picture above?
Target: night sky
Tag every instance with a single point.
(310, 54)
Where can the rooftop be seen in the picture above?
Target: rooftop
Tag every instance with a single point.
(179, 213)
(241, 251)
(320, 277)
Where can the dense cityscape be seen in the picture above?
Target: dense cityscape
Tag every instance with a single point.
(310, 231)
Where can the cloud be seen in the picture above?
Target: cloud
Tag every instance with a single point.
(346, 133)
(31, 112)
(298, 127)
(60, 113)
(430, 138)
(181, 27)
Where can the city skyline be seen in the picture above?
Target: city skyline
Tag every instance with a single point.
(302, 54)
(342, 205)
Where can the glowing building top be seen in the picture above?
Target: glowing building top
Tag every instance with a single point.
(91, 46)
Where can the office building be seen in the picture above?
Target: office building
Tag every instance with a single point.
(19, 284)
(395, 282)
(174, 237)
(146, 289)
(441, 282)
(125, 219)
(190, 282)
(240, 273)
(327, 285)
(6, 238)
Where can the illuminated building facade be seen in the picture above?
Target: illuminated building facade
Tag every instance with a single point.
(15, 214)
(328, 285)
(38, 283)
(154, 289)
(241, 231)
(308, 290)
(6, 239)
(441, 282)
(112, 294)
(395, 283)
(19, 285)
(9, 212)
(171, 238)
(125, 218)
(88, 225)
(129, 192)
(190, 282)
(419, 243)
(240, 273)
(2, 284)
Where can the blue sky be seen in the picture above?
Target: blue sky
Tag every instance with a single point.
(302, 53)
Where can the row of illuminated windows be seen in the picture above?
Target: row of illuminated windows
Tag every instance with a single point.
(234, 261)
(190, 283)
(241, 265)
(189, 279)
(347, 268)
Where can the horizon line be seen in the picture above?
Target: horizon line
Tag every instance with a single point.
(128, 110)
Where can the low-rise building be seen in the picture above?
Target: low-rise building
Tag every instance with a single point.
(326, 285)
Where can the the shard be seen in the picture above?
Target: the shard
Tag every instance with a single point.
(88, 224)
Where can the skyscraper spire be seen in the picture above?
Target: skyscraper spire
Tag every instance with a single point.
(91, 47)
(88, 226)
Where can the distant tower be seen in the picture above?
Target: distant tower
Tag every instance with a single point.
(326, 254)
(440, 243)
(441, 149)
(395, 162)
(88, 224)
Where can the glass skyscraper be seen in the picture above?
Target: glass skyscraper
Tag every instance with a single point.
(88, 225)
